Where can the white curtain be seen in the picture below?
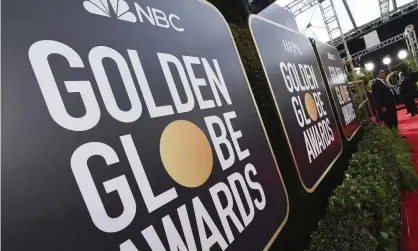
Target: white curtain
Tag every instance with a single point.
(371, 39)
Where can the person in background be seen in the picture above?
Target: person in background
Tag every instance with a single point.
(384, 99)
(398, 92)
(408, 89)
(413, 77)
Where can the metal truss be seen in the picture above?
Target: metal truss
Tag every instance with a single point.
(409, 36)
(402, 11)
(299, 6)
(411, 41)
(383, 44)
(384, 10)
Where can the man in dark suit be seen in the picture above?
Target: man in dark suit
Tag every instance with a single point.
(384, 99)
(407, 90)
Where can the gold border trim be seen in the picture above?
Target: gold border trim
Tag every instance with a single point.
(354, 133)
(319, 60)
(312, 189)
(273, 238)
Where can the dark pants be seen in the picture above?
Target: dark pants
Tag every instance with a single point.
(408, 98)
(409, 102)
(390, 117)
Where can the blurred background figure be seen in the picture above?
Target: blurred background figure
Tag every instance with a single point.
(408, 90)
(384, 98)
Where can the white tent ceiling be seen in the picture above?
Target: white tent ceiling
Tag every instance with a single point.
(363, 11)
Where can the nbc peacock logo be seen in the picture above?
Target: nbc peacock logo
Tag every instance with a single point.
(110, 8)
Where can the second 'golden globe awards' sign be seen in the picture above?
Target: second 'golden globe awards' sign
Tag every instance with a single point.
(130, 126)
(338, 84)
(301, 98)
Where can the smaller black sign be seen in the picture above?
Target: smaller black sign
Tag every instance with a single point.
(336, 78)
(301, 98)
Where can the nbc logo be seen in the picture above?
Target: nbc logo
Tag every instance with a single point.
(120, 9)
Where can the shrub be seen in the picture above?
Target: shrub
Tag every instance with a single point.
(364, 211)
(344, 232)
(251, 61)
(387, 144)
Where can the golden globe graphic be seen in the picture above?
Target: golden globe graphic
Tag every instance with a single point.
(343, 94)
(134, 135)
(186, 153)
(310, 106)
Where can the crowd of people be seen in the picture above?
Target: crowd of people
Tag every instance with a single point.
(403, 87)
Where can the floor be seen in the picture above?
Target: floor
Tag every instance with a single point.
(409, 128)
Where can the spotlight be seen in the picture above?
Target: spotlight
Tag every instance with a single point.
(369, 66)
(402, 54)
(387, 60)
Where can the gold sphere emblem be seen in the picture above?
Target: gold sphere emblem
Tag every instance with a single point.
(311, 107)
(186, 153)
(343, 94)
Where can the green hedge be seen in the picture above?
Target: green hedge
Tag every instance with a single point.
(250, 60)
(364, 211)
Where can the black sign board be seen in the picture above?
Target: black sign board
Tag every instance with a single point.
(338, 84)
(301, 98)
(280, 15)
(130, 125)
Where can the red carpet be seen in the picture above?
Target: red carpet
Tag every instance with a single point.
(409, 128)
